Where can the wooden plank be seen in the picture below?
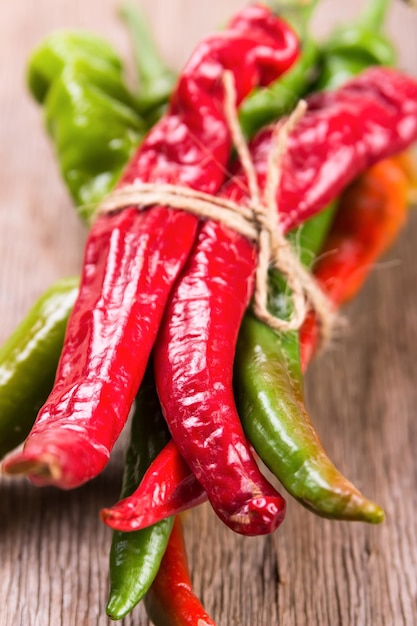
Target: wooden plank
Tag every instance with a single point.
(362, 394)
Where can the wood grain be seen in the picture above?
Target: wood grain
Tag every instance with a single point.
(362, 394)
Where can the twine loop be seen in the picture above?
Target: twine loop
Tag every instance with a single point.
(258, 220)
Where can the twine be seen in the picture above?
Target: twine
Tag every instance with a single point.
(258, 220)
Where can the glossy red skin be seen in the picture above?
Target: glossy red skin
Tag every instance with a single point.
(132, 258)
(195, 349)
(167, 488)
(193, 373)
(171, 600)
(343, 133)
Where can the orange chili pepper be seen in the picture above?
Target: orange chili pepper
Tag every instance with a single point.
(371, 213)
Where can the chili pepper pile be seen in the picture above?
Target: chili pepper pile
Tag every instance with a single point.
(161, 320)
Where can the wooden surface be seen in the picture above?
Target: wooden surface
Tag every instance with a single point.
(362, 394)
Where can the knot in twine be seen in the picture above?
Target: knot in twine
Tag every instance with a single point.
(258, 220)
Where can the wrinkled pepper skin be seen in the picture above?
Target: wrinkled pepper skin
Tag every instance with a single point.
(135, 558)
(129, 267)
(28, 362)
(171, 600)
(269, 392)
(264, 370)
(371, 213)
(346, 52)
(325, 488)
(193, 373)
(167, 488)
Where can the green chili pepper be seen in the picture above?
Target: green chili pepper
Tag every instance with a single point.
(352, 48)
(135, 557)
(28, 362)
(61, 49)
(307, 239)
(270, 400)
(268, 373)
(90, 114)
(266, 376)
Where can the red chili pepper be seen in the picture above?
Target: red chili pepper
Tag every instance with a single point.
(171, 600)
(370, 214)
(343, 133)
(132, 258)
(167, 488)
(193, 372)
(338, 137)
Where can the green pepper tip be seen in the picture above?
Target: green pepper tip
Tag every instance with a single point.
(373, 513)
(354, 509)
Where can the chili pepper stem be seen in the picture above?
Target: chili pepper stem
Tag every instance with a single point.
(374, 14)
(45, 467)
(155, 78)
(298, 13)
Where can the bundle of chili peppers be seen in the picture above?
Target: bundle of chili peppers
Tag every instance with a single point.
(162, 320)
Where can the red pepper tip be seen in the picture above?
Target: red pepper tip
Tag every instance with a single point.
(118, 518)
(260, 516)
(109, 514)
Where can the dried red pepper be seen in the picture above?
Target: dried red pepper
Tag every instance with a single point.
(370, 214)
(132, 258)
